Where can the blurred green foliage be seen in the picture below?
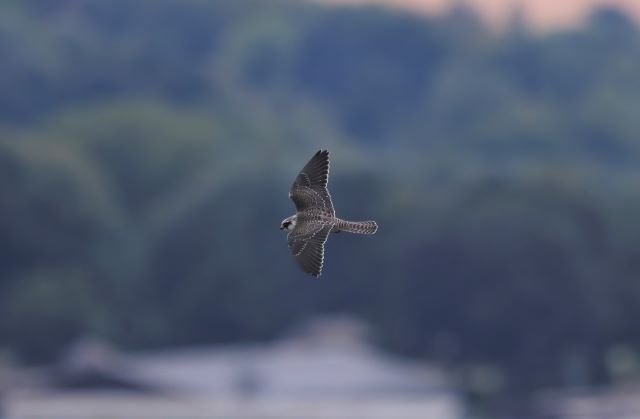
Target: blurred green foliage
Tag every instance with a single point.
(147, 148)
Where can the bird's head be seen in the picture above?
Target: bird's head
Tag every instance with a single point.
(289, 223)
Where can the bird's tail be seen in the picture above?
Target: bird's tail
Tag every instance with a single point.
(358, 227)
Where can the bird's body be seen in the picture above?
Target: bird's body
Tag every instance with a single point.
(315, 217)
(337, 224)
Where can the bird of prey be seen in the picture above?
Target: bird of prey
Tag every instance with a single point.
(315, 217)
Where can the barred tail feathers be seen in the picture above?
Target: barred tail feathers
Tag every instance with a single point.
(358, 227)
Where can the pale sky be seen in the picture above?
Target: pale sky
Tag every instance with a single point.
(542, 14)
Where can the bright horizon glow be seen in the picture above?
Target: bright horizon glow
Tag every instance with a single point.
(543, 15)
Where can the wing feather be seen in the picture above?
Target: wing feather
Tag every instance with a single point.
(309, 190)
(307, 245)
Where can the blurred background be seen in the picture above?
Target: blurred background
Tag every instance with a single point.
(146, 153)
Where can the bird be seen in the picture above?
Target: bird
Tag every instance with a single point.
(315, 217)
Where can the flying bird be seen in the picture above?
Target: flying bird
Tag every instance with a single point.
(315, 217)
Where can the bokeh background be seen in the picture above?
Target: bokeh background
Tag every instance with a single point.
(147, 149)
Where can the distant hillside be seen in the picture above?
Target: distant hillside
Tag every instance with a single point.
(541, 14)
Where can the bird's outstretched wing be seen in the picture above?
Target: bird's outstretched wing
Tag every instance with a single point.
(306, 242)
(310, 187)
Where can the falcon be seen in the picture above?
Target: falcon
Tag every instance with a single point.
(315, 217)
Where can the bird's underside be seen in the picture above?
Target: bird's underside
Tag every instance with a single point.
(315, 218)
